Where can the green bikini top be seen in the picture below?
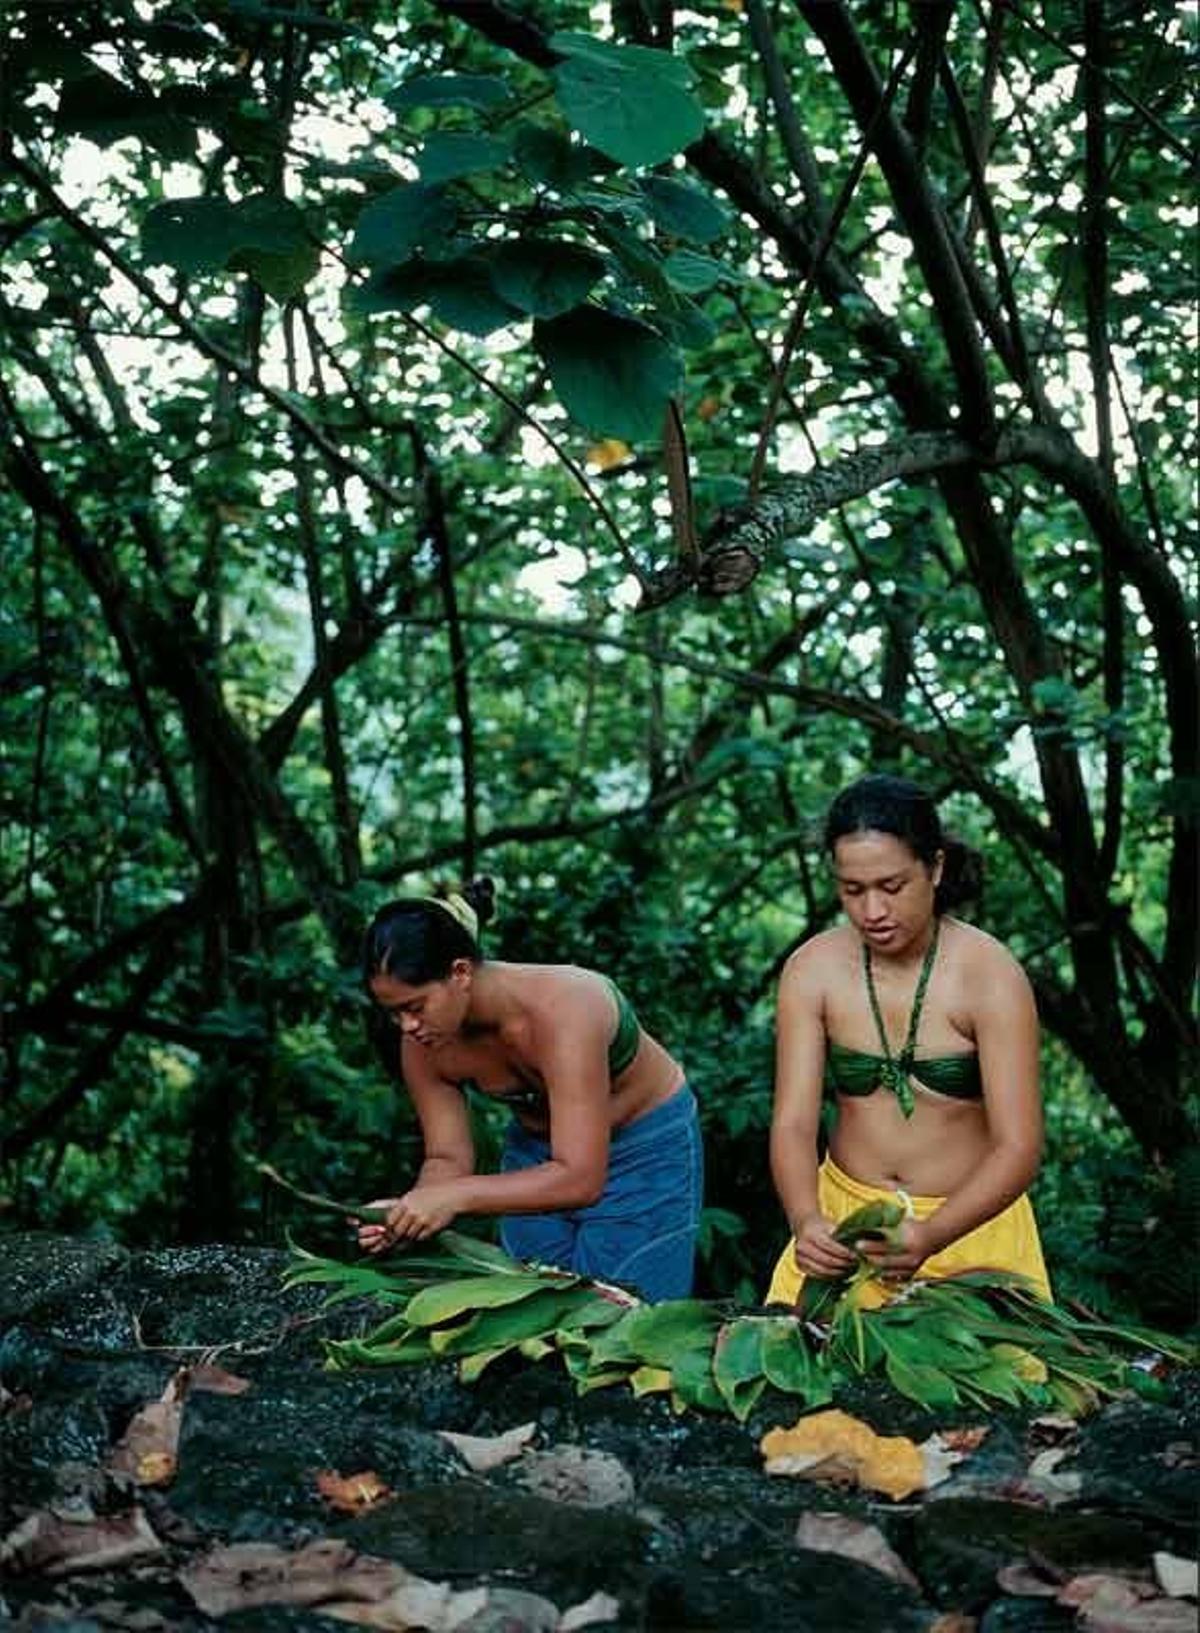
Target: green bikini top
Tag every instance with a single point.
(854, 1072)
(621, 1050)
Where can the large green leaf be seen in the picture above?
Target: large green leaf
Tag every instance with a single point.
(263, 235)
(500, 1327)
(683, 209)
(631, 102)
(551, 159)
(737, 1364)
(448, 90)
(544, 276)
(692, 1380)
(471, 1293)
(788, 1362)
(448, 154)
(658, 1333)
(613, 374)
(398, 223)
(460, 292)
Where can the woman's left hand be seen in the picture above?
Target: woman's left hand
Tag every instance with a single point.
(902, 1254)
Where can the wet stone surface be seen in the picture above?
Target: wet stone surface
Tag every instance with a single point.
(687, 1534)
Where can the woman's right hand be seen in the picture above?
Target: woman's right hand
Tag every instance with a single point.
(817, 1250)
(375, 1235)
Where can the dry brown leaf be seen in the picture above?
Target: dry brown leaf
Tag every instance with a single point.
(214, 1380)
(260, 1573)
(352, 1493)
(1113, 1604)
(435, 1608)
(56, 1544)
(964, 1440)
(1178, 1578)
(600, 1607)
(575, 1474)
(1025, 1581)
(1105, 1590)
(149, 1448)
(953, 1621)
(1052, 1427)
(833, 1445)
(853, 1539)
(484, 1452)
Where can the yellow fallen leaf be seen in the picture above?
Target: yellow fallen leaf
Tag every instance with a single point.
(155, 1469)
(352, 1493)
(835, 1446)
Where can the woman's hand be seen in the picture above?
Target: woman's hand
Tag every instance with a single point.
(817, 1250)
(902, 1254)
(419, 1213)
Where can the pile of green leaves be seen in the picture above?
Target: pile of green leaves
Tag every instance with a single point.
(980, 1339)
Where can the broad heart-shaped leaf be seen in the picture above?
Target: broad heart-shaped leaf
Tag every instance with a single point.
(683, 209)
(468, 1294)
(283, 276)
(459, 292)
(448, 91)
(694, 274)
(613, 374)
(447, 154)
(658, 1333)
(737, 1364)
(631, 102)
(788, 1363)
(692, 1380)
(401, 221)
(544, 276)
(551, 159)
(205, 234)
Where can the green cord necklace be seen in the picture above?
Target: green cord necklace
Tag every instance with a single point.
(896, 1068)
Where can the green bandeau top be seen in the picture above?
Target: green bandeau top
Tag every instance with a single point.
(854, 1072)
(621, 1050)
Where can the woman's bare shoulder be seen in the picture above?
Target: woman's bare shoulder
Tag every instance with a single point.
(980, 955)
(825, 955)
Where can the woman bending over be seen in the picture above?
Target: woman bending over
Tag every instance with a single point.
(601, 1170)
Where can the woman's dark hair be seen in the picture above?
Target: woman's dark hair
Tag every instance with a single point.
(880, 803)
(417, 938)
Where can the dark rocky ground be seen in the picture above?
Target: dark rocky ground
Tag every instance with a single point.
(676, 1525)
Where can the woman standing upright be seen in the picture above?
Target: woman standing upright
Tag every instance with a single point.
(925, 1031)
(602, 1167)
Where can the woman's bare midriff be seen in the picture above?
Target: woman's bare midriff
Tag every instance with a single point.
(930, 1153)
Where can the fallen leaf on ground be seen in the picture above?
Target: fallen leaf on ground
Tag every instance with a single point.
(575, 1474)
(352, 1493)
(260, 1573)
(1178, 1578)
(484, 1452)
(214, 1380)
(1052, 1427)
(434, 1608)
(149, 1448)
(835, 1446)
(601, 1607)
(1026, 1582)
(939, 1455)
(358, 1588)
(57, 1544)
(853, 1539)
(1111, 1604)
(964, 1440)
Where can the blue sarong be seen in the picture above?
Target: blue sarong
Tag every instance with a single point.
(642, 1230)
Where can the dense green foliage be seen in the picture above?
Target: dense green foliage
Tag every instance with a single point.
(569, 442)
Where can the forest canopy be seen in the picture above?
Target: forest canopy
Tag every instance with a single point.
(568, 442)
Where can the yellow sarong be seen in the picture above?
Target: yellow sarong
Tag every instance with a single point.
(1008, 1242)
